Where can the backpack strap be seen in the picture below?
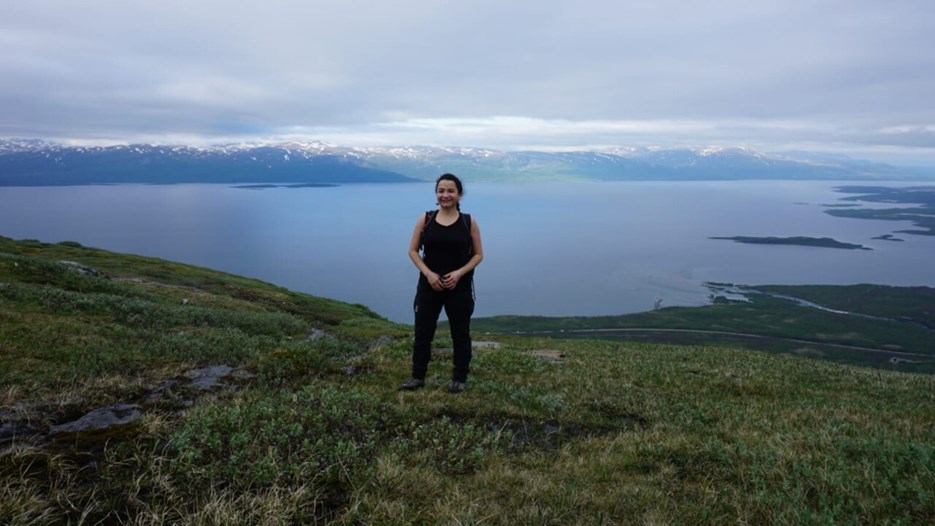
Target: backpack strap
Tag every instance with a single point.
(429, 217)
(466, 219)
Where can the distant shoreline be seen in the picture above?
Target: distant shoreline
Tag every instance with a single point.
(265, 186)
(921, 214)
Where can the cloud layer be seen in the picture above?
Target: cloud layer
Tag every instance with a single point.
(853, 76)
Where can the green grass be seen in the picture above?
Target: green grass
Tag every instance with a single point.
(612, 433)
(907, 303)
(780, 324)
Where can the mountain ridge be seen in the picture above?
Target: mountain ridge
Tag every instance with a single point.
(28, 162)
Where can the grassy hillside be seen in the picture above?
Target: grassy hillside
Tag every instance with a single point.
(232, 401)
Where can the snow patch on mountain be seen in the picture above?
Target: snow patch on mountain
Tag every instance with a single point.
(710, 162)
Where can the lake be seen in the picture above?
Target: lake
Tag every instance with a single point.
(551, 248)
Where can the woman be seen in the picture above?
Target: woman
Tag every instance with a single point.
(451, 248)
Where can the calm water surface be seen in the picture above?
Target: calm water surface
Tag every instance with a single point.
(551, 249)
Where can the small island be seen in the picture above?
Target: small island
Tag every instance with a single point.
(823, 242)
(888, 237)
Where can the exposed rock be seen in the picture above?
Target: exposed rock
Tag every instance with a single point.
(549, 355)
(83, 269)
(209, 377)
(106, 418)
(156, 395)
(318, 334)
(27, 424)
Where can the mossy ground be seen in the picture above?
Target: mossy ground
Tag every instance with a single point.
(601, 432)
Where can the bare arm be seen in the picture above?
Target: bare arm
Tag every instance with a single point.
(435, 281)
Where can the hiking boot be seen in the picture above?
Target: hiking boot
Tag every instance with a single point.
(456, 387)
(412, 384)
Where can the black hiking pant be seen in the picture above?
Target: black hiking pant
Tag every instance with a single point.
(459, 306)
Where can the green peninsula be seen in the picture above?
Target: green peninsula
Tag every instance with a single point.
(872, 325)
(824, 242)
(922, 214)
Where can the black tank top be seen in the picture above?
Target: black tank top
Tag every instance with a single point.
(447, 248)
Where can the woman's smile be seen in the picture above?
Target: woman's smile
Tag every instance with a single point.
(447, 193)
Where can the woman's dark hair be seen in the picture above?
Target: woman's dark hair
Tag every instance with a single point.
(453, 178)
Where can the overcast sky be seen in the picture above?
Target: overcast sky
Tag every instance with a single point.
(847, 76)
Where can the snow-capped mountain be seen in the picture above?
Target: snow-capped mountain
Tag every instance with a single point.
(33, 162)
(39, 163)
(622, 164)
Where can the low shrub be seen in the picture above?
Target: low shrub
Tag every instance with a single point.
(314, 436)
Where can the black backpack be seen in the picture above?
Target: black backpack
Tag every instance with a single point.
(430, 216)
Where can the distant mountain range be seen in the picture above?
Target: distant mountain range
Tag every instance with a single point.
(39, 163)
(29, 163)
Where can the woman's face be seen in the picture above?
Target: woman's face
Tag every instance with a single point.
(446, 193)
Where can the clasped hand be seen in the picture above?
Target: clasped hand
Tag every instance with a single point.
(446, 282)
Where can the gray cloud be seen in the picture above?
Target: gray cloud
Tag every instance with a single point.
(839, 75)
